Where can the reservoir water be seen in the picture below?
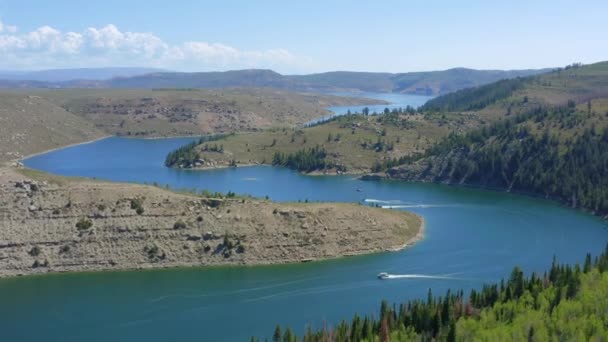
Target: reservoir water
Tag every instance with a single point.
(472, 237)
(395, 100)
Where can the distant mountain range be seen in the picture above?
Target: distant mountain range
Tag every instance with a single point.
(65, 75)
(424, 83)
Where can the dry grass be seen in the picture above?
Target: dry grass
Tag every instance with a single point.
(31, 124)
(193, 112)
(349, 141)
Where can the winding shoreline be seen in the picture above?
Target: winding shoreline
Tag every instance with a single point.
(60, 148)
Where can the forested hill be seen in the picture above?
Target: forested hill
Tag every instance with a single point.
(565, 304)
(426, 83)
(548, 137)
(574, 82)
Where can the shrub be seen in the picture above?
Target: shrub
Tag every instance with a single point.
(84, 223)
(101, 207)
(64, 249)
(35, 251)
(179, 225)
(37, 264)
(227, 243)
(240, 249)
(135, 203)
(154, 252)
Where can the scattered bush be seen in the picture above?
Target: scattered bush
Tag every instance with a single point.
(154, 252)
(37, 264)
(84, 223)
(35, 251)
(179, 225)
(101, 207)
(64, 249)
(227, 243)
(137, 205)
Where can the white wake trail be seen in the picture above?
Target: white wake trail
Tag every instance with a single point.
(372, 200)
(418, 276)
(420, 206)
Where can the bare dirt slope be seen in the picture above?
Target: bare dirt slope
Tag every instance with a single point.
(31, 124)
(55, 224)
(166, 112)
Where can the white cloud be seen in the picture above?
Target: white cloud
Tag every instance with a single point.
(47, 47)
(7, 28)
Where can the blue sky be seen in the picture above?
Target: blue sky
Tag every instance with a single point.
(302, 36)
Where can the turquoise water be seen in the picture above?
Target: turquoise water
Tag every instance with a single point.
(472, 237)
(396, 100)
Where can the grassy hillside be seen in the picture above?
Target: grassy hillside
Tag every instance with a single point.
(547, 135)
(352, 143)
(132, 112)
(31, 124)
(565, 304)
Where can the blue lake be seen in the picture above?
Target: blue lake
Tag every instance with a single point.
(472, 237)
(395, 100)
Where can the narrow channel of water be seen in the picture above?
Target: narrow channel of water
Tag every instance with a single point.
(472, 237)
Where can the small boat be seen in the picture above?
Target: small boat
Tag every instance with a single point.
(383, 275)
(359, 190)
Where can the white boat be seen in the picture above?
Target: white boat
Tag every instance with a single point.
(382, 275)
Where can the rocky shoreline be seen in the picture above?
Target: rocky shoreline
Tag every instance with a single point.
(57, 224)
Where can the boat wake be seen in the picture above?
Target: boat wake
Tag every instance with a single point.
(372, 200)
(416, 206)
(417, 276)
(397, 204)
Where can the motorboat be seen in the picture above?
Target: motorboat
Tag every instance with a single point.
(383, 275)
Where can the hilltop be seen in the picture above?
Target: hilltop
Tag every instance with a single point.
(64, 75)
(31, 124)
(427, 83)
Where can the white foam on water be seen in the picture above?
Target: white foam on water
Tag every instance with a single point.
(405, 206)
(372, 200)
(418, 276)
